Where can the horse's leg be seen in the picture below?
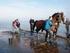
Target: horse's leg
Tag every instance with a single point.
(42, 29)
(37, 30)
(49, 34)
(55, 33)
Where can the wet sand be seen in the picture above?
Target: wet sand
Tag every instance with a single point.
(26, 43)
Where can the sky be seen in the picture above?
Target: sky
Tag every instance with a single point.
(32, 8)
(26, 9)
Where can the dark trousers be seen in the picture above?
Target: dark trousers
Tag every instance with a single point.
(31, 28)
(47, 33)
(67, 29)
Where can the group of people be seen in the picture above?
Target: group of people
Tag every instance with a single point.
(48, 25)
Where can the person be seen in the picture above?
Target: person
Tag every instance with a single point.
(16, 25)
(48, 25)
(67, 23)
(31, 25)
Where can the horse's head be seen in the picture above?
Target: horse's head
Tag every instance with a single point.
(58, 17)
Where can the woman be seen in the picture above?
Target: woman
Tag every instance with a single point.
(16, 25)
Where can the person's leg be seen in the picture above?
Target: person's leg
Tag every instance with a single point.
(67, 29)
(31, 29)
(49, 34)
(46, 35)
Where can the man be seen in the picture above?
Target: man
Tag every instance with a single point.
(67, 23)
(31, 25)
(48, 25)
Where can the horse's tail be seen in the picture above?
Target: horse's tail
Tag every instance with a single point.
(43, 26)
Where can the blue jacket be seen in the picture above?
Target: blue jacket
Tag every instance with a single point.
(48, 24)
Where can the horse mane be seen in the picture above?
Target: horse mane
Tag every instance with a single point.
(55, 14)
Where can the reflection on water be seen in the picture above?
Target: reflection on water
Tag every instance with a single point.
(67, 43)
(30, 44)
(14, 40)
(27, 43)
(45, 48)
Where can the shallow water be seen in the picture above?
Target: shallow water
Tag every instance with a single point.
(26, 43)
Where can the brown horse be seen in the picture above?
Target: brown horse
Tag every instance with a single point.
(39, 24)
(56, 19)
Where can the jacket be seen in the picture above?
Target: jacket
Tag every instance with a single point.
(48, 24)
